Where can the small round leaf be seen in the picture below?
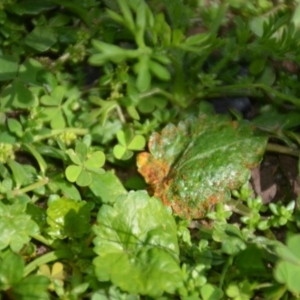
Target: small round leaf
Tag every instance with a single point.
(72, 172)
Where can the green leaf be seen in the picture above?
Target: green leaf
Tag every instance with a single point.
(107, 187)
(28, 71)
(84, 178)
(211, 292)
(11, 269)
(16, 226)
(19, 174)
(21, 96)
(96, 160)
(119, 151)
(9, 67)
(143, 80)
(73, 172)
(31, 287)
(74, 157)
(58, 121)
(140, 257)
(77, 8)
(69, 190)
(15, 126)
(31, 7)
(137, 143)
(239, 291)
(193, 166)
(68, 218)
(288, 267)
(159, 71)
(39, 158)
(122, 138)
(41, 39)
(257, 66)
(81, 151)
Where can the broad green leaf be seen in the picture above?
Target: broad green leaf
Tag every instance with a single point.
(107, 187)
(68, 218)
(58, 121)
(96, 160)
(48, 113)
(41, 39)
(16, 226)
(15, 126)
(137, 250)
(119, 151)
(31, 287)
(9, 67)
(72, 172)
(75, 7)
(11, 269)
(288, 267)
(50, 100)
(58, 94)
(84, 178)
(239, 290)
(193, 166)
(28, 71)
(211, 292)
(137, 143)
(31, 7)
(21, 96)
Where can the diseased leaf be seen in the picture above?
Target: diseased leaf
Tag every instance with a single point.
(193, 166)
(137, 250)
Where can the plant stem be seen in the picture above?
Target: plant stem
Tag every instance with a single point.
(44, 259)
(77, 131)
(282, 149)
(42, 239)
(28, 188)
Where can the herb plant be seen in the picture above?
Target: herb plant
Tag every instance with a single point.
(118, 180)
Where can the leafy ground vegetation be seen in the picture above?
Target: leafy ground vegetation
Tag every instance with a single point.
(149, 149)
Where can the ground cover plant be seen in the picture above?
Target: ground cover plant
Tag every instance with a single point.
(149, 149)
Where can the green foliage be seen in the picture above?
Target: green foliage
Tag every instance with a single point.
(138, 256)
(288, 264)
(205, 157)
(83, 85)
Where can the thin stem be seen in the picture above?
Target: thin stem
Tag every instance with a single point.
(43, 240)
(224, 271)
(282, 149)
(28, 188)
(50, 256)
(77, 131)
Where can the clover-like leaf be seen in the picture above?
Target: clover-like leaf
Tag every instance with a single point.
(84, 164)
(68, 218)
(137, 250)
(193, 166)
(16, 226)
(128, 142)
(96, 160)
(53, 112)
